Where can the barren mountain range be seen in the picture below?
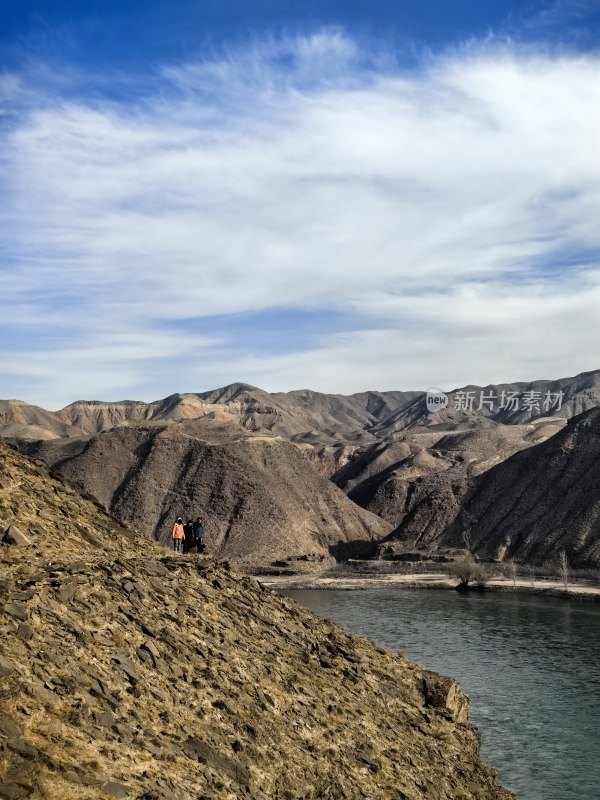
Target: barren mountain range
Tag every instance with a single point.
(419, 481)
(127, 671)
(306, 474)
(539, 501)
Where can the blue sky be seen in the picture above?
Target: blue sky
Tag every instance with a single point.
(330, 195)
(100, 32)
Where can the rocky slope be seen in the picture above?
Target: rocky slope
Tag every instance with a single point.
(20, 420)
(260, 497)
(418, 481)
(540, 501)
(130, 672)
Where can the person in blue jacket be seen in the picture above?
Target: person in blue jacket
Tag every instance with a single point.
(199, 535)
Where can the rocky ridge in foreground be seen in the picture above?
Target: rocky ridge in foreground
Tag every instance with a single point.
(135, 673)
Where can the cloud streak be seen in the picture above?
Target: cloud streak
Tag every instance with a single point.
(452, 209)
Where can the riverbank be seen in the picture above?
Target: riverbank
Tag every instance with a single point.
(528, 663)
(581, 590)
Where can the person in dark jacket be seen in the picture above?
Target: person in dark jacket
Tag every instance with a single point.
(199, 534)
(189, 536)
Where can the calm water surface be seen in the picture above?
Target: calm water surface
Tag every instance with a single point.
(529, 664)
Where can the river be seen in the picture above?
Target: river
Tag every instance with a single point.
(530, 665)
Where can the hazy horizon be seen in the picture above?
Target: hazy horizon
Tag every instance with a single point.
(147, 400)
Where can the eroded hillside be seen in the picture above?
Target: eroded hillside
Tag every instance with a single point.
(130, 672)
(245, 460)
(259, 496)
(540, 502)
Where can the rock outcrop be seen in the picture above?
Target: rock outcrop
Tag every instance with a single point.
(130, 672)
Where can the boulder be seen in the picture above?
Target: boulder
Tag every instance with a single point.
(66, 591)
(446, 695)
(12, 791)
(116, 790)
(8, 728)
(23, 748)
(203, 752)
(14, 536)
(25, 632)
(106, 719)
(17, 611)
(5, 669)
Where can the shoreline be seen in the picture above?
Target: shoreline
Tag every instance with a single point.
(586, 592)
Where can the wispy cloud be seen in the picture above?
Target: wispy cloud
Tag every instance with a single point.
(559, 21)
(451, 208)
(560, 12)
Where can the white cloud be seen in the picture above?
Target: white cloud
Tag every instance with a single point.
(475, 334)
(438, 205)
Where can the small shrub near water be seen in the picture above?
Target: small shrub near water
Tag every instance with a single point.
(468, 571)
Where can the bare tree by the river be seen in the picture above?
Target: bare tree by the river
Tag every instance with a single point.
(564, 569)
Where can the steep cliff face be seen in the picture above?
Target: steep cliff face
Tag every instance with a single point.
(135, 673)
(539, 502)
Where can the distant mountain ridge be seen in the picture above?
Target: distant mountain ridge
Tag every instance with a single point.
(504, 403)
(297, 416)
(305, 416)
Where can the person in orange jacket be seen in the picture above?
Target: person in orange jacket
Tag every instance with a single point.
(178, 535)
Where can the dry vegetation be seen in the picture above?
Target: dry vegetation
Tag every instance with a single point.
(135, 673)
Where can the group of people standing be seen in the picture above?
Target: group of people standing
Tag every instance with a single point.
(189, 536)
